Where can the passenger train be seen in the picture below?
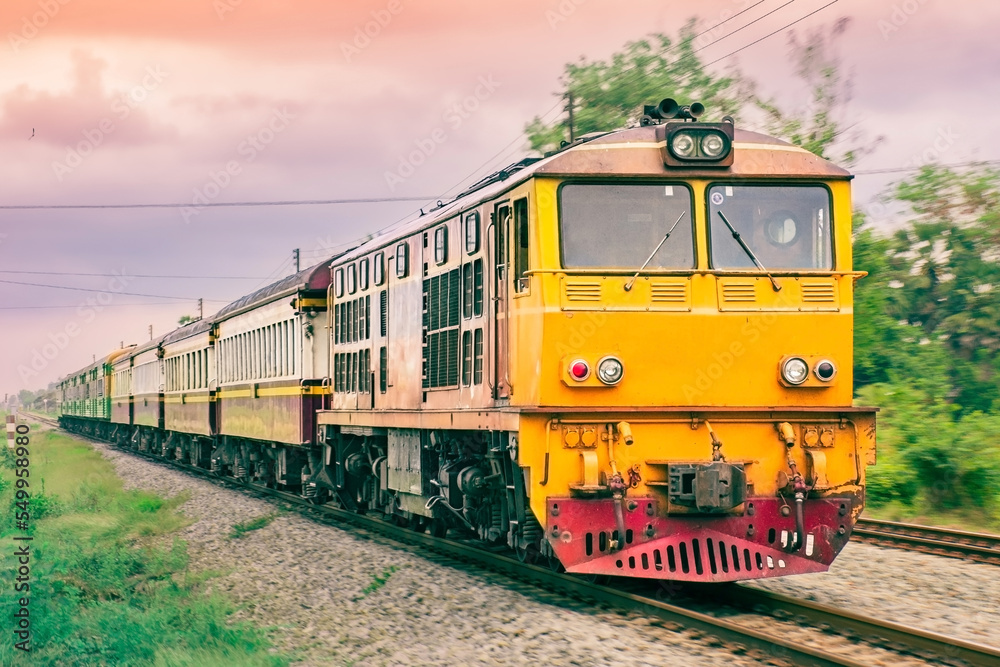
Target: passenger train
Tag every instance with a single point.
(630, 357)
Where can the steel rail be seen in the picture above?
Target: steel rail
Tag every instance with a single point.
(878, 632)
(734, 635)
(979, 547)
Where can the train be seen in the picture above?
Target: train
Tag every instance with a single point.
(629, 357)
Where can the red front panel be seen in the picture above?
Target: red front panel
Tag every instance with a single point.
(696, 548)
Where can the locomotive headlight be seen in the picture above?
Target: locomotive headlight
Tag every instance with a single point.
(683, 145)
(825, 370)
(712, 145)
(610, 370)
(795, 371)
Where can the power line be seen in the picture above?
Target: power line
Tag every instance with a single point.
(771, 34)
(129, 275)
(297, 202)
(106, 291)
(109, 305)
(898, 170)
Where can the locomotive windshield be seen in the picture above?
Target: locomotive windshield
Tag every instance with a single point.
(617, 226)
(786, 226)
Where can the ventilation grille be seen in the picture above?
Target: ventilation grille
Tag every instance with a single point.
(818, 292)
(669, 292)
(739, 292)
(687, 557)
(589, 291)
(442, 314)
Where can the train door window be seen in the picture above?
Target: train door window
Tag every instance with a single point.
(441, 244)
(383, 369)
(472, 232)
(352, 279)
(521, 245)
(477, 369)
(466, 358)
(477, 287)
(338, 281)
(379, 268)
(402, 260)
(363, 273)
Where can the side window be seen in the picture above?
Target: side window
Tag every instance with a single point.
(352, 278)
(402, 260)
(472, 232)
(521, 245)
(363, 273)
(379, 271)
(338, 279)
(441, 244)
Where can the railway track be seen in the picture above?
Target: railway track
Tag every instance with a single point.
(630, 597)
(979, 547)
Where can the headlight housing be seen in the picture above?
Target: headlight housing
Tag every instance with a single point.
(825, 370)
(610, 370)
(795, 371)
(682, 145)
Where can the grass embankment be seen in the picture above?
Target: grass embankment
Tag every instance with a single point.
(108, 584)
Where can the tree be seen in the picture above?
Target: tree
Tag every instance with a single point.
(185, 319)
(610, 94)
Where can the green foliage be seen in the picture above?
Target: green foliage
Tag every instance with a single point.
(610, 94)
(244, 527)
(378, 581)
(927, 346)
(102, 591)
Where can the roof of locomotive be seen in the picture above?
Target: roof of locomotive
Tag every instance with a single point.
(106, 359)
(632, 152)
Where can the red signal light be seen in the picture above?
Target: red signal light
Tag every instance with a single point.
(579, 370)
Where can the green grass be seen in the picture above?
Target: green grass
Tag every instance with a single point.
(244, 527)
(378, 581)
(110, 585)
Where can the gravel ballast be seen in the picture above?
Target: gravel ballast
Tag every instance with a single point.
(335, 597)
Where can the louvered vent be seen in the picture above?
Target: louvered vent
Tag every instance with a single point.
(818, 292)
(668, 292)
(442, 314)
(739, 292)
(583, 291)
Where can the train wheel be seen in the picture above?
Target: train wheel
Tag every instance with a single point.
(439, 527)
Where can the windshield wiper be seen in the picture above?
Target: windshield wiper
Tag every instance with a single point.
(749, 252)
(628, 285)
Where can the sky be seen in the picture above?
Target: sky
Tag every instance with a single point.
(110, 102)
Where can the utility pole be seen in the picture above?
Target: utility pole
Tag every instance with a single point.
(150, 332)
(295, 256)
(201, 311)
(569, 106)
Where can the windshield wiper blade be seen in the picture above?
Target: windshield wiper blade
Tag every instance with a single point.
(749, 252)
(628, 285)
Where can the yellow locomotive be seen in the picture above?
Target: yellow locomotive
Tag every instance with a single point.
(631, 357)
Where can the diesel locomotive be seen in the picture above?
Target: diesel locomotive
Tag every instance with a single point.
(630, 357)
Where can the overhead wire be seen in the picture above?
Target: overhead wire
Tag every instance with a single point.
(106, 291)
(128, 275)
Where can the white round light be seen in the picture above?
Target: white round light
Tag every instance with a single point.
(610, 370)
(795, 371)
(712, 145)
(683, 145)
